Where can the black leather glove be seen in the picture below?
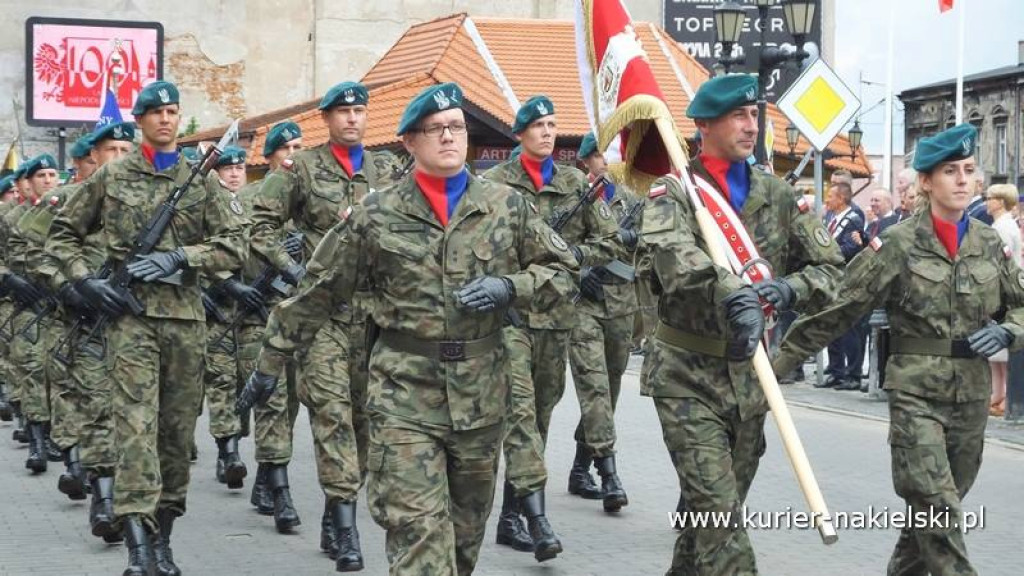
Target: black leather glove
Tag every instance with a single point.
(577, 253)
(590, 285)
(210, 306)
(73, 299)
(243, 293)
(257, 390)
(628, 237)
(989, 340)
(292, 244)
(776, 292)
(157, 265)
(102, 296)
(746, 324)
(293, 273)
(23, 291)
(486, 293)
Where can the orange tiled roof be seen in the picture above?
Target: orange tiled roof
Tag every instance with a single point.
(535, 56)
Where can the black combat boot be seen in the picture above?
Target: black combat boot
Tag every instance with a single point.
(162, 555)
(72, 481)
(581, 483)
(20, 434)
(285, 516)
(545, 543)
(53, 452)
(101, 512)
(614, 496)
(327, 539)
(348, 556)
(36, 448)
(261, 497)
(230, 468)
(140, 552)
(511, 531)
(6, 411)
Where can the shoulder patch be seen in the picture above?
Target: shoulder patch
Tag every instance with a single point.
(602, 209)
(344, 214)
(1007, 253)
(54, 200)
(236, 206)
(803, 205)
(287, 164)
(1020, 278)
(876, 243)
(822, 237)
(658, 191)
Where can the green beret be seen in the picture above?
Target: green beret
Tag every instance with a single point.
(154, 95)
(345, 94)
(41, 162)
(231, 156)
(957, 143)
(123, 131)
(534, 108)
(430, 101)
(721, 94)
(81, 147)
(191, 154)
(279, 135)
(588, 146)
(7, 183)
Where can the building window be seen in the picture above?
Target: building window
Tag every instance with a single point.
(1002, 150)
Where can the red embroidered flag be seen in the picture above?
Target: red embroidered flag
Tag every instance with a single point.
(945, 5)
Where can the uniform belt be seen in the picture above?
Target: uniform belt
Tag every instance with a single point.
(688, 341)
(443, 350)
(958, 348)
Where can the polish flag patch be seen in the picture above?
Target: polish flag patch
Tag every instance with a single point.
(1007, 253)
(54, 200)
(876, 244)
(803, 205)
(344, 214)
(658, 191)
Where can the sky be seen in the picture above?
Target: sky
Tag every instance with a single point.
(925, 49)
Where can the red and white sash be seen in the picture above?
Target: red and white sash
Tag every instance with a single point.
(738, 244)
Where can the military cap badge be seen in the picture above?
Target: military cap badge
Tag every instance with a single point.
(442, 100)
(164, 96)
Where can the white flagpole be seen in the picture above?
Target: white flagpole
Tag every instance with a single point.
(887, 129)
(960, 63)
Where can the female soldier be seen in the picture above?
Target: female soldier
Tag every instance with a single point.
(954, 297)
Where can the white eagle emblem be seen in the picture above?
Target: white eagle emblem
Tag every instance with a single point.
(542, 109)
(350, 96)
(967, 145)
(44, 163)
(751, 94)
(164, 96)
(442, 101)
(118, 132)
(287, 134)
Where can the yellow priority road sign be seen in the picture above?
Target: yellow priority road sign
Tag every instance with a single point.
(819, 104)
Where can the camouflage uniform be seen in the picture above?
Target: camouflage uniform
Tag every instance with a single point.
(156, 358)
(435, 425)
(275, 419)
(9, 214)
(938, 399)
(538, 355)
(712, 411)
(311, 190)
(598, 354)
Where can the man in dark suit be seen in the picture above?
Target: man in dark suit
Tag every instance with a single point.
(977, 209)
(881, 204)
(847, 228)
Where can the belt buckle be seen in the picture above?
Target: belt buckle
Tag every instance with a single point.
(453, 350)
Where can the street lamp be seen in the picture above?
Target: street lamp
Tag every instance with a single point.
(729, 19)
(792, 137)
(855, 134)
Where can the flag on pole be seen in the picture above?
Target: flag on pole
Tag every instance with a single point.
(945, 6)
(11, 161)
(110, 112)
(621, 94)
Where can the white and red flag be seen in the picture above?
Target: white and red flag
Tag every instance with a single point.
(945, 5)
(622, 96)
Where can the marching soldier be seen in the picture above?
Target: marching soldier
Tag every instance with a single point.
(599, 348)
(30, 330)
(711, 408)
(275, 420)
(439, 390)
(954, 296)
(8, 196)
(221, 378)
(9, 213)
(538, 349)
(310, 191)
(156, 358)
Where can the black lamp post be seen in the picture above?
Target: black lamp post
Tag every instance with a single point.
(729, 20)
(792, 137)
(855, 135)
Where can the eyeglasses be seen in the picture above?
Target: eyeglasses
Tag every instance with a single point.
(434, 130)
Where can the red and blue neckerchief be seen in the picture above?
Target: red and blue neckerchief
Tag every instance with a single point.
(950, 235)
(731, 177)
(351, 159)
(540, 171)
(443, 194)
(160, 160)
